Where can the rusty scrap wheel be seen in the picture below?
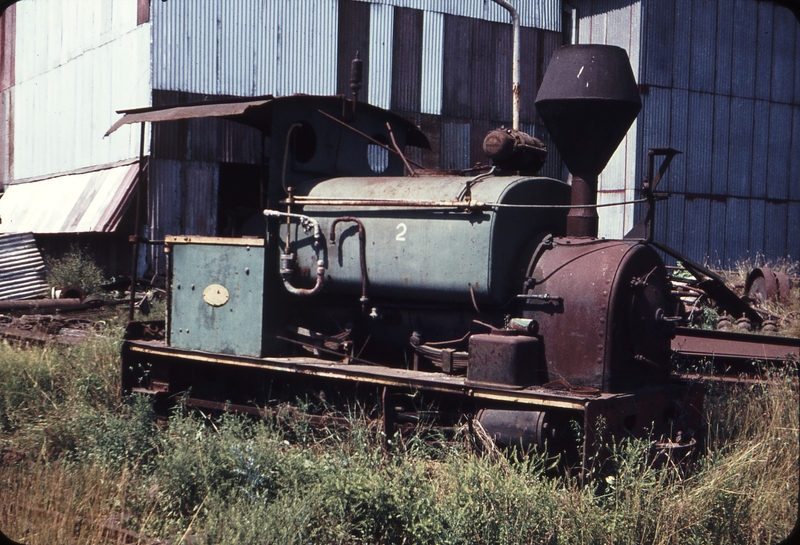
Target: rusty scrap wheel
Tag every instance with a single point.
(765, 285)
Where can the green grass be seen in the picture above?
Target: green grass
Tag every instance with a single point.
(76, 461)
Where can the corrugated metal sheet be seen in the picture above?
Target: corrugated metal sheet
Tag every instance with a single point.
(431, 125)
(199, 198)
(794, 167)
(720, 132)
(724, 52)
(164, 211)
(610, 22)
(611, 222)
(745, 33)
(8, 30)
(78, 203)
(631, 209)
(432, 63)
(457, 78)
(476, 69)
(700, 123)
(783, 57)
(617, 25)
(755, 242)
(792, 228)
(698, 214)
(763, 48)
(775, 229)
(740, 154)
(57, 32)
(208, 139)
(797, 71)
(308, 48)
(761, 136)
(544, 14)
(236, 35)
(658, 43)
(679, 131)
(553, 166)
(634, 48)
(778, 158)
(75, 65)
(537, 47)
(456, 154)
(478, 130)
(614, 176)
(703, 56)
(246, 47)
(182, 199)
(378, 158)
(8, 40)
(352, 15)
(495, 92)
(716, 239)
(379, 70)
(22, 269)
(738, 143)
(491, 65)
(594, 23)
(682, 48)
(673, 215)
(407, 60)
(6, 136)
(737, 229)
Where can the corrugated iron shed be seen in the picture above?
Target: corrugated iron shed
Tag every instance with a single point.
(407, 60)
(22, 269)
(246, 47)
(719, 82)
(381, 41)
(75, 64)
(432, 45)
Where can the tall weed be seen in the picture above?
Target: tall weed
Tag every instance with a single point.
(76, 267)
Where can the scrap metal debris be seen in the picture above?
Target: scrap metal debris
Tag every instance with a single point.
(39, 328)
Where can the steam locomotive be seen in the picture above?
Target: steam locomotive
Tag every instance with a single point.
(483, 296)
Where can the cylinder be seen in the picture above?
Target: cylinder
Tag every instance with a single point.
(516, 428)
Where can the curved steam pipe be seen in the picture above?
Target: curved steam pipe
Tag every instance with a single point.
(362, 247)
(287, 259)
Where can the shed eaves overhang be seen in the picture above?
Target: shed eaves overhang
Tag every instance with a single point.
(85, 202)
(257, 112)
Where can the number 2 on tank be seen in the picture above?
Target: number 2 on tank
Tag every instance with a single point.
(401, 232)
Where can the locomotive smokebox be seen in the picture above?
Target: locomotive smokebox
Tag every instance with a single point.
(588, 101)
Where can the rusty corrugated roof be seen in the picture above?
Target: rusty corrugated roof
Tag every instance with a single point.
(257, 112)
(72, 203)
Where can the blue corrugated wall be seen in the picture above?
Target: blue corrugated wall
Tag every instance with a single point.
(721, 82)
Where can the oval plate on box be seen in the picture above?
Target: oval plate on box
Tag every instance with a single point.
(216, 295)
